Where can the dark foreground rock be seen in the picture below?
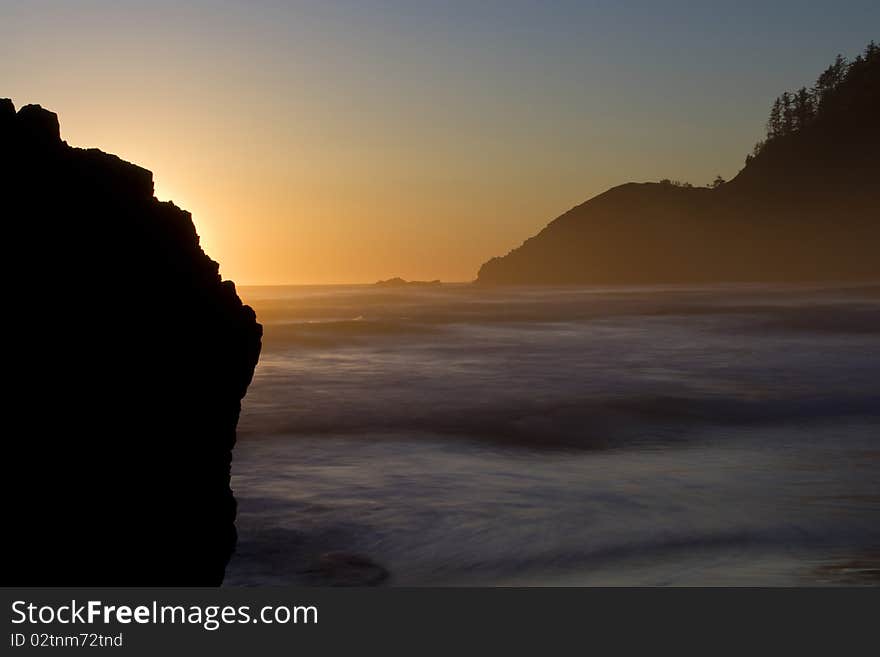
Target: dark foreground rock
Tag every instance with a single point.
(127, 359)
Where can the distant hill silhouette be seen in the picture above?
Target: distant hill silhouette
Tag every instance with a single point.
(806, 207)
(127, 358)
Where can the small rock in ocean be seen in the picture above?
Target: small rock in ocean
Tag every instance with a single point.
(346, 569)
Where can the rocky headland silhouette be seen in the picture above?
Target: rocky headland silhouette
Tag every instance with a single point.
(806, 207)
(128, 360)
(400, 282)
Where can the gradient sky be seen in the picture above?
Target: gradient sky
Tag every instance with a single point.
(319, 142)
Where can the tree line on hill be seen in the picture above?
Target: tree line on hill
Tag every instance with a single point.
(793, 111)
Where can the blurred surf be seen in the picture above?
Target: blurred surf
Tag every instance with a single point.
(467, 435)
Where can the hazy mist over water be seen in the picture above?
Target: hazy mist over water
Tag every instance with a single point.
(463, 435)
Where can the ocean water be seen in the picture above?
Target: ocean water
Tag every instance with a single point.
(563, 436)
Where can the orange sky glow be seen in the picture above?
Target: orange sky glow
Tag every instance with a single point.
(347, 142)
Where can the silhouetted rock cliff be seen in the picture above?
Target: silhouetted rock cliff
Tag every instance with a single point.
(805, 208)
(128, 359)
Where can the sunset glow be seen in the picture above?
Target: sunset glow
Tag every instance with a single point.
(348, 142)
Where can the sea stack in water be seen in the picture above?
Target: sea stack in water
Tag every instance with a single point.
(128, 360)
